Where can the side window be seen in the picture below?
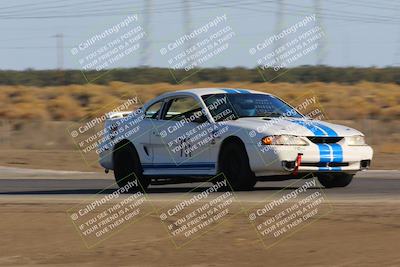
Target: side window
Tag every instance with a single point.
(153, 111)
(218, 104)
(183, 107)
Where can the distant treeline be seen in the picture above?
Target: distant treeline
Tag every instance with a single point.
(147, 75)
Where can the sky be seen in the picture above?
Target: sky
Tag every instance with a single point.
(361, 33)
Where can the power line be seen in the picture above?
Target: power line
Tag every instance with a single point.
(368, 18)
(40, 7)
(145, 49)
(187, 23)
(321, 42)
(333, 16)
(82, 7)
(279, 24)
(368, 5)
(60, 50)
(30, 5)
(339, 15)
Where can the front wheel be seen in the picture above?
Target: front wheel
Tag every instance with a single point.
(128, 169)
(234, 164)
(330, 180)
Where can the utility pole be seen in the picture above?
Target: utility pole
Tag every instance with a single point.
(144, 57)
(187, 22)
(60, 50)
(279, 27)
(321, 51)
(396, 58)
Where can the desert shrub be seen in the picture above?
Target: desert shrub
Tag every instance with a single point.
(362, 100)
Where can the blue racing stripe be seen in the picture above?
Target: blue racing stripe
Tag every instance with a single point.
(334, 169)
(242, 91)
(324, 153)
(337, 153)
(230, 91)
(327, 129)
(204, 165)
(327, 152)
(330, 153)
(316, 131)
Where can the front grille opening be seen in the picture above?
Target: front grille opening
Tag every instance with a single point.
(325, 164)
(289, 165)
(364, 164)
(324, 139)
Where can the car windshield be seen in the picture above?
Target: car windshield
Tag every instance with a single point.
(249, 105)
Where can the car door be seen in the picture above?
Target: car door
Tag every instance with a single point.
(177, 139)
(141, 137)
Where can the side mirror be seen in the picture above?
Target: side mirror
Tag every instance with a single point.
(201, 119)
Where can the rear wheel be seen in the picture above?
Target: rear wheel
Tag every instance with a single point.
(127, 167)
(330, 180)
(234, 164)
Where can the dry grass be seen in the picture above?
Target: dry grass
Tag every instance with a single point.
(33, 118)
(360, 101)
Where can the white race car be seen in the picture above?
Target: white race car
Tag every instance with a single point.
(244, 134)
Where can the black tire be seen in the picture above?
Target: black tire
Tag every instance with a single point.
(234, 164)
(330, 180)
(127, 167)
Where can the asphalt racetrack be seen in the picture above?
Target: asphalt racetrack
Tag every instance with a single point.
(369, 185)
(355, 226)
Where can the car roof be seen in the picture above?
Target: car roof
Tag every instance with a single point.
(216, 90)
(200, 92)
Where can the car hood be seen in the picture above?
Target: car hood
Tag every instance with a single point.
(293, 126)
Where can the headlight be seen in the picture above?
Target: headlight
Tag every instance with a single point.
(357, 140)
(287, 140)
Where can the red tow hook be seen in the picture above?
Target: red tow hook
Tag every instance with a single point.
(298, 162)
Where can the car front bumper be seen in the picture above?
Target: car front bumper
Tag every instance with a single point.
(277, 160)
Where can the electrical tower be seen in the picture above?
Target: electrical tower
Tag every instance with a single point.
(396, 58)
(145, 49)
(187, 22)
(60, 50)
(279, 27)
(321, 51)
